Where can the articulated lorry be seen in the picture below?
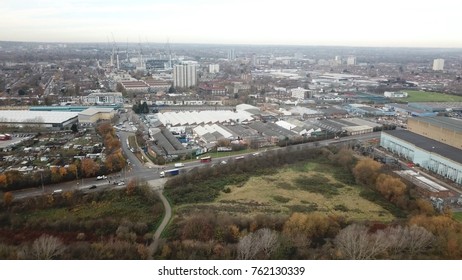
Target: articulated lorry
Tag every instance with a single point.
(170, 172)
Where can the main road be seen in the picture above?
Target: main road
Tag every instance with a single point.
(149, 172)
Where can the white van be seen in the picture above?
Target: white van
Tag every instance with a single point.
(179, 164)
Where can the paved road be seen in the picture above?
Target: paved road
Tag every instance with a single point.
(137, 170)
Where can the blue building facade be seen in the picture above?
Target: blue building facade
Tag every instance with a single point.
(437, 157)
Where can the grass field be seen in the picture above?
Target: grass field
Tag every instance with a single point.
(457, 216)
(301, 188)
(424, 96)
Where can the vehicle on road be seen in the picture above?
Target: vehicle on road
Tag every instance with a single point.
(57, 191)
(205, 159)
(92, 187)
(223, 162)
(179, 164)
(102, 177)
(239, 158)
(120, 183)
(170, 172)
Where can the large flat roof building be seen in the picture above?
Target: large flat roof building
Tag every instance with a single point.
(45, 119)
(95, 114)
(430, 154)
(442, 129)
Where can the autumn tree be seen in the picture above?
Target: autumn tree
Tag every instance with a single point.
(200, 227)
(47, 247)
(366, 171)
(89, 167)
(115, 162)
(344, 158)
(8, 198)
(448, 233)
(424, 207)
(105, 128)
(3, 180)
(111, 143)
(310, 226)
(72, 169)
(390, 187)
(63, 171)
(131, 186)
(55, 175)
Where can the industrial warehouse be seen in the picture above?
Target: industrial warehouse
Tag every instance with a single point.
(433, 145)
(40, 119)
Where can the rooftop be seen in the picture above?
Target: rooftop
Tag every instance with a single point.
(447, 123)
(427, 144)
(23, 116)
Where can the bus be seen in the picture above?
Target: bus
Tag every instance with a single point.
(206, 159)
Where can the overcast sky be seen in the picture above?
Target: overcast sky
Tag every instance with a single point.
(289, 22)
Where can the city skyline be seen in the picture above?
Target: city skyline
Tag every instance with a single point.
(332, 23)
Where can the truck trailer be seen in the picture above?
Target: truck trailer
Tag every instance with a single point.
(170, 172)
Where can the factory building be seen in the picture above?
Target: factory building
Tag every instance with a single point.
(442, 129)
(430, 154)
(95, 114)
(38, 119)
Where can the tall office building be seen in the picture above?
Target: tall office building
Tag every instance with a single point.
(214, 68)
(185, 75)
(438, 64)
(351, 60)
(231, 54)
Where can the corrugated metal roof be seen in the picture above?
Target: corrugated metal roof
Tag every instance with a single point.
(23, 116)
(427, 144)
(448, 123)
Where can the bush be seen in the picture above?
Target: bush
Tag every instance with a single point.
(317, 184)
(341, 207)
(281, 199)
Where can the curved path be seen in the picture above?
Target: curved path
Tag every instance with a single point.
(157, 186)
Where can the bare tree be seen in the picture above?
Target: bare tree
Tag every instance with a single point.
(268, 239)
(397, 238)
(262, 241)
(419, 239)
(355, 243)
(246, 248)
(46, 247)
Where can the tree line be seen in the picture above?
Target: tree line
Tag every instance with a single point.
(419, 233)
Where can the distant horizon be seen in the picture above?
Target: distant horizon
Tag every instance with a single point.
(354, 23)
(230, 44)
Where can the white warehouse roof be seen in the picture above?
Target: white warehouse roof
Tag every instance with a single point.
(24, 116)
(202, 117)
